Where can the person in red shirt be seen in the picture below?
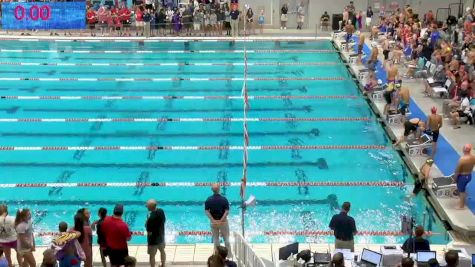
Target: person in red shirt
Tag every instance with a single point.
(113, 14)
(116, 233)
(124, 15)
(139, 24)
(91, 20)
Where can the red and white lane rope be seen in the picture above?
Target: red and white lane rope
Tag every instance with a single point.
(161, 39)
(153, 148)
(205, 184)
(158, 52)
(63, 64)
(171, 79)
(176, 97)
(137, 120)
(272, 233)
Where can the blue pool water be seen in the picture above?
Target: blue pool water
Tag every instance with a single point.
(283, 208)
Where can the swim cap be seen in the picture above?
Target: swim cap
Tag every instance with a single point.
(467, 148)
(433, 110)
(430, 161)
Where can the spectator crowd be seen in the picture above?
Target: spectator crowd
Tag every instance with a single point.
(415, 46)
(207, 18)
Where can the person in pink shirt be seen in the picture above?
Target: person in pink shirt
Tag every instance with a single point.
(102, 17)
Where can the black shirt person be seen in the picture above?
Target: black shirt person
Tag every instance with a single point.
(234, 14)
(344, 228)
(155, 226)
(417, 243)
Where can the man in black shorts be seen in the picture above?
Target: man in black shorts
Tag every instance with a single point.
(386, 48)
(414, 125)
(388, 95)
(434, 123)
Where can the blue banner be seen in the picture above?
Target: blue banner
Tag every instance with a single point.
(43, 15)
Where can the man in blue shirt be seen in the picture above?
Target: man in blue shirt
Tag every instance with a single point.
(344, 228)
(217, 210)
(234, 14)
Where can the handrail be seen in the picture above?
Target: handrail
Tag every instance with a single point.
(244, 254)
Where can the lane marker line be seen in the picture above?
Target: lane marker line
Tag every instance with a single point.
(64, 120)
(157, 52)
(204, 184)
(183, 148)
(171, 97)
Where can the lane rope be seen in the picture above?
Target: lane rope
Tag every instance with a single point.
(63, 64)
(45, 97)
(154, 148)
(137, 120)
(171, 79)
(272, 233)
(193, 39)
(205, 184)
(157, 52)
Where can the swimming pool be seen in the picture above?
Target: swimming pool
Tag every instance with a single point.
(96, 123)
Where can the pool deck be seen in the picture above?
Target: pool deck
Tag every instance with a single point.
(197, 254)
(461, 221)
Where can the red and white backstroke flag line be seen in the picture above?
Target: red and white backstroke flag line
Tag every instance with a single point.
(245, 130)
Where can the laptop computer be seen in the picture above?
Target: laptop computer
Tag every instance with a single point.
(423, 257)
(285, 252)
(371, 258)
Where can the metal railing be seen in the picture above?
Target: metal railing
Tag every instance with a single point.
(244, 254)
(151, 30)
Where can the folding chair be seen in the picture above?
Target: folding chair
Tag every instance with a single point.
(442, 91)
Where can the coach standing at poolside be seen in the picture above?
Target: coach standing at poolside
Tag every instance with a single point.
(234, 14)
(344, 228)
(217, 210)
(155, 225)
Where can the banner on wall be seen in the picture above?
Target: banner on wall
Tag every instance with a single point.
(43, 15)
